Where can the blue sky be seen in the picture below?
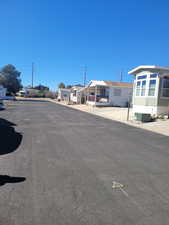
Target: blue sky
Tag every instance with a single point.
(62, 36)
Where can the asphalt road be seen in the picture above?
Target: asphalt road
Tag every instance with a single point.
(57, 166)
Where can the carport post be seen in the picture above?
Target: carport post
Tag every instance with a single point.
(80, 98)
(88, 94)
(95, 93)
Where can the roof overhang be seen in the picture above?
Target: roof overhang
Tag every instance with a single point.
(108, 84)
(64, 89)
(76, 88)
(152, 68)
(94, 83)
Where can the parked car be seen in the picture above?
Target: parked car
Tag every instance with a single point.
(2, 106)
(12, 98)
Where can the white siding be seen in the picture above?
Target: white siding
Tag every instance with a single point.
(64, 94)
(119, 96)
(74, 95)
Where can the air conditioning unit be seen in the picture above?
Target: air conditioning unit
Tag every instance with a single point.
(143, 117)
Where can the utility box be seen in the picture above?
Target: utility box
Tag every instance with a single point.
(143, 117)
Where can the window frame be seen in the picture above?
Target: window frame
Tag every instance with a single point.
(161, 95)
(143, 89)
(140, 91)
(142, 77)
(156, 93)
(147, 79)
(155, 77)
(155, 89)
(137, 81)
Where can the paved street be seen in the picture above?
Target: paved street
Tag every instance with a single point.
(57, 166)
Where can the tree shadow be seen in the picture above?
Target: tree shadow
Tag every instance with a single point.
(4, 179)
(32, 100)
(9, 138)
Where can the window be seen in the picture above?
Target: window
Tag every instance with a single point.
(103, 92)
(152, 88)
(142, 77)
(165, 90)
(74, 93)
(153, 75)
(143, 88)
(138, 88)
(117, 92)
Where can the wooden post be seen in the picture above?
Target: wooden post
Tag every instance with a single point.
(128, 110)
(80, 95)
(95, 94)
(87, 94)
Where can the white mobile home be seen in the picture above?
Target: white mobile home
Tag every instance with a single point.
(76, 94)
(108, 93)
(63, 94)
(151, 90)
(24, 92)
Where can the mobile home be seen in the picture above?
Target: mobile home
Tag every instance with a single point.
(63, 94)
(78, 95)
(2, 92)
(75, 94)
(109, 93)
(151, 90)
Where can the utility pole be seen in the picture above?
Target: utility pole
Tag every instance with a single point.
(84, 75)
(32, 74)
(121, 76)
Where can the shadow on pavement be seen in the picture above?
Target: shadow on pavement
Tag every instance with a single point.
(4, 179)
(31, 100)
(9, 138)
